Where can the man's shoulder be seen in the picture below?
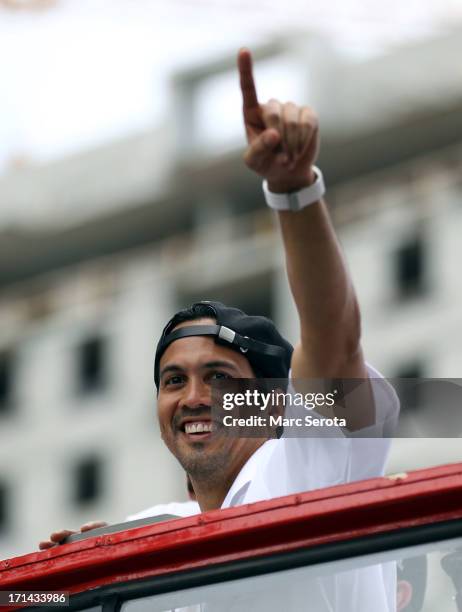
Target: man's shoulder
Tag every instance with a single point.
(386, 404)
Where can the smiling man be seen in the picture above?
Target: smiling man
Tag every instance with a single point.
(188, 367)
(211, 341)
(190, 356)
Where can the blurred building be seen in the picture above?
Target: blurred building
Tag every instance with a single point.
(97, 251)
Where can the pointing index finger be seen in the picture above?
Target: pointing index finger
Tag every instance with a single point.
(249, 92)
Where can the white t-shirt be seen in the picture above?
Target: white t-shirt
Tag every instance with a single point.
(293, 465)
(326, 458)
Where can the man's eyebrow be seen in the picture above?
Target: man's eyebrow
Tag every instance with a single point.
(221, 364)
(173, 367)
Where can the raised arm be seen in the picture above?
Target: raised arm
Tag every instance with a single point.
(283, 144)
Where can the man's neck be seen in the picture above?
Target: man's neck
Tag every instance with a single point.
(210, 499)
(211, 494)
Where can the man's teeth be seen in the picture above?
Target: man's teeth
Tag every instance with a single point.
(198, 427)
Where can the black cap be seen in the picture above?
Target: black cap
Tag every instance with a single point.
(267, 351)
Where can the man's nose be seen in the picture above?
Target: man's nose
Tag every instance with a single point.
(197, 394)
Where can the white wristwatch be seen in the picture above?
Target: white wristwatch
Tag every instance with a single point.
(296, 200)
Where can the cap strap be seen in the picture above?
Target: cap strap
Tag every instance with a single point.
(227, 335)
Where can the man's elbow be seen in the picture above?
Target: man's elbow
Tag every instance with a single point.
(336, 351)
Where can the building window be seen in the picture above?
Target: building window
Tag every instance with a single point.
(6, 381)
(408, 380)
(4, 508)
(409, 267)
(88, 481)
(412, 369)
(92, 366)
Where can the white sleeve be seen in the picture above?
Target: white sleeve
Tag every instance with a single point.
(329, 457)
(370, 446)
(386, 404)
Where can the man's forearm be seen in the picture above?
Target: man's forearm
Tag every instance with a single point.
(283, 144)
(321, 287)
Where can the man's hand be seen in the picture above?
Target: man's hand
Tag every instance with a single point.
(283, 144)
(283, 138)
(58, 536)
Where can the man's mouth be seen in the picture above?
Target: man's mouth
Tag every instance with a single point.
(197, 430)
(197, 427)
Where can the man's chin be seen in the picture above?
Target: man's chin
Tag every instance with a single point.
(202, 459)
(186, 444)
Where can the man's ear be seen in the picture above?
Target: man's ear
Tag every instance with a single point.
(279, 408)
(275, 409)
(403, 594)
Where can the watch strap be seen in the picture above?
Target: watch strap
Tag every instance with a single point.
(296, 200)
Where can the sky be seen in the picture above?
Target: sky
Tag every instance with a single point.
(76, 73)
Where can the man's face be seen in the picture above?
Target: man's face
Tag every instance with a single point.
(187, 369)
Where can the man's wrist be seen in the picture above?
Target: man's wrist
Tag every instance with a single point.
(296, 200)
(295, 184)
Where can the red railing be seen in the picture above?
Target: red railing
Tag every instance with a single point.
(284, 524)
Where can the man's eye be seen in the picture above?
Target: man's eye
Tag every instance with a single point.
(220, 375)
(173, 380)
